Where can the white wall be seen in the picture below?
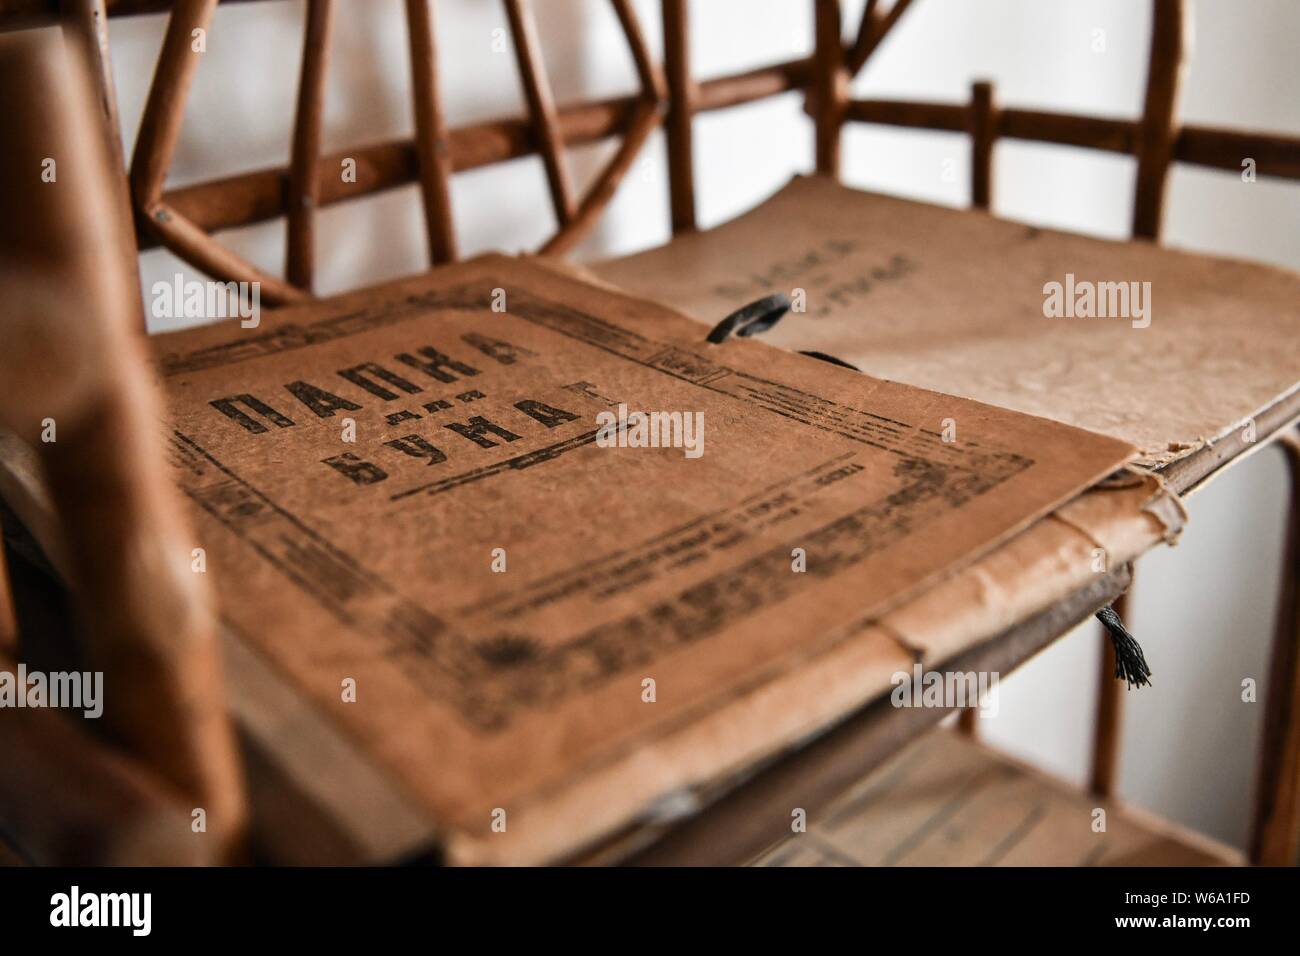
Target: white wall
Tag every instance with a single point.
(1202, 610)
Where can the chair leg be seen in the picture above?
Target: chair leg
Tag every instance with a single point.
(69, 799)
(1275, 830)
(8, 618)
(1110, 711)
(966, 721)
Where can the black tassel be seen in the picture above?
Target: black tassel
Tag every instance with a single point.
(758, 317)
(754, 318)
(1130, 664)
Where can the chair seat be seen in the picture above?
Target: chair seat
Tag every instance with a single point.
(946, 800)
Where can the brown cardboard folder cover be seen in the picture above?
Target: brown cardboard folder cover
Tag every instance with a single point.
(955, 300)
(408, 493)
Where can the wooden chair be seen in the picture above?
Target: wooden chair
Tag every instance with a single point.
(187, 221)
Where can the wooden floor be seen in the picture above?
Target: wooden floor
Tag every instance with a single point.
(948, 801)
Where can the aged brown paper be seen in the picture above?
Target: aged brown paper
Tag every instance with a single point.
(363, 469)
(954, 300)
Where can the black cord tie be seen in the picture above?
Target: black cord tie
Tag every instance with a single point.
(1130, 664)
(829, 358)
(758, 317)
(752, 319)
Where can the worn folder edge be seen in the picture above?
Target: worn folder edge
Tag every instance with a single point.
(1038, 567)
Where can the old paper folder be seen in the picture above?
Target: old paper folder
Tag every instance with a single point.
(406, 512)
(957, 300)
(404, 493)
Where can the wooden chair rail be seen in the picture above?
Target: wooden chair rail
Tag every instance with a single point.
(311, 181)
(301, 188)
(262, 195)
